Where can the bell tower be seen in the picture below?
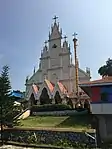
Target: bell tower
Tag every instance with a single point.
(55, 35)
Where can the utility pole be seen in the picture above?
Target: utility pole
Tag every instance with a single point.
(76, 63)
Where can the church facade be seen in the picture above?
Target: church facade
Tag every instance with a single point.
(56, 71)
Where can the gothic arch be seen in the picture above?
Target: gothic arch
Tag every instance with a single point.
(44, 97)
(32, 100)
(57, 98)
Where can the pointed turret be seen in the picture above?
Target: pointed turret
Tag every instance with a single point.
(65, 43)
(45, 48)
(27, 78)
(88, 71)
(34, 70)
(71, 61)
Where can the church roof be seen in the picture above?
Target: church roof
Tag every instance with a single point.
(50, 85)
(72, 65)
(61, 87)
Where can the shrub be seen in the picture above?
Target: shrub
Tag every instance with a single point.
(50, 107)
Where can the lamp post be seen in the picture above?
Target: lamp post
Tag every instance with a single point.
(76, 63)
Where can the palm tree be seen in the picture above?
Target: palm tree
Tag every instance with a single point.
(106, 70)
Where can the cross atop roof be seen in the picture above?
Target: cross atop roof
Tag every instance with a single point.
(75, 34)
(55, 17)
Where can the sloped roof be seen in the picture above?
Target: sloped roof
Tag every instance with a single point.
(80, 70)
(103, 81)
(49, 84)
(61, 87)
(17, 94)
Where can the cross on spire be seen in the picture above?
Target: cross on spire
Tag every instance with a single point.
(65, 37)
(55, 17)
(75, 34)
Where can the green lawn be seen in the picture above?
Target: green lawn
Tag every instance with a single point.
(75, 122)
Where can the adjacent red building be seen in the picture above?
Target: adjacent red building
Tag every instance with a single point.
(100, 92)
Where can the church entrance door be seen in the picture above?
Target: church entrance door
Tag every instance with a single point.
(57, 98)
(44, 97)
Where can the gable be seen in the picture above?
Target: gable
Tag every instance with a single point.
(34, 89)
(60, 88)
(48, 85)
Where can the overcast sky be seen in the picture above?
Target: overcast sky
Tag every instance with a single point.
(24, 26)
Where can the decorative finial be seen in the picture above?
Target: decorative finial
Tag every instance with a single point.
(49, 34)
(34, 70)
(55, 17)
(41, 52)
(61, 31)
(27, 79)
(65, 37)
(45, 43)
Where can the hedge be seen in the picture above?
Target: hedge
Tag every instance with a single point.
(50, 107)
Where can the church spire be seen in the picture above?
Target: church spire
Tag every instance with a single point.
(65, 43)
(55, 33)
(45, 46)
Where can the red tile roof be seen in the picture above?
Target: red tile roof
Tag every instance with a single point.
(100, 81)
(50, 85)
(61, 87)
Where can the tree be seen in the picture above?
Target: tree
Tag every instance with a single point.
(106, 70)
(7, 108)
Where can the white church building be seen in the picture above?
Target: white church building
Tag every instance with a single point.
(56, 71)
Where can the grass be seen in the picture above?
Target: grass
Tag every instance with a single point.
(74, 122)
